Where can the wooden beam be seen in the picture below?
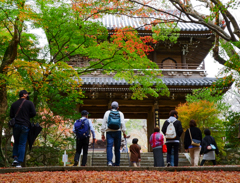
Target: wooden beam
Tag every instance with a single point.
(95, 109)
(126, 115)
(122, 103)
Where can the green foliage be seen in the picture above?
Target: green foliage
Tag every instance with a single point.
(232, 129)
(166, 32)
(209, 94)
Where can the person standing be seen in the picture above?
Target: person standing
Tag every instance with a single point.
(157, 141)
(209, 148)
(113, 123)
(22, 110)
(82, 128)
(135, 153)
(193, 133)
(172, 135)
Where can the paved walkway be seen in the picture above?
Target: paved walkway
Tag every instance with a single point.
(71, 168)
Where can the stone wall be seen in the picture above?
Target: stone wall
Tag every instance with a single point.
(232, 157)
(43, 156)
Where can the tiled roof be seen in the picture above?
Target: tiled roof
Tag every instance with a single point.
(113, 22)
(167, 81)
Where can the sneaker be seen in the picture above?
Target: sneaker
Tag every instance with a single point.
(109, 164)
(18, 165)
(168, 164)
(75, 163)
(15, 161)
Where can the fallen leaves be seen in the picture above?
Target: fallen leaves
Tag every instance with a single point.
(122, 176)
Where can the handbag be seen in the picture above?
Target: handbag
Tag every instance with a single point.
(213, 147)
(11, 122)
(164, 148)
(194, 142)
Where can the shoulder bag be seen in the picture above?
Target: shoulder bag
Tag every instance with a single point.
(11, 122)
(194, 142)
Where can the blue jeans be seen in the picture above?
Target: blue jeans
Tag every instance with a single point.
(172, 157)
(20, 134)
(113, 138)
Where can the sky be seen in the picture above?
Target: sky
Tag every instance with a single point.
(212, 67)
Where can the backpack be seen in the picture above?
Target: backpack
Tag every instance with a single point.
(171, 131)
(82, 128)
(114, 121)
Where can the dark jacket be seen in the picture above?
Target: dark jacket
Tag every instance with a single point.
(178, 127)
(196, 134)
(26, 112)
(206, 141)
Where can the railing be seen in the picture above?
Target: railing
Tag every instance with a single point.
(182, 66)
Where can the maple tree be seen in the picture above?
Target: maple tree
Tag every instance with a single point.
(56, 86)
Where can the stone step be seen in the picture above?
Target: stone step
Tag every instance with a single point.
(141, 163)
(142, 155)
(100, 159)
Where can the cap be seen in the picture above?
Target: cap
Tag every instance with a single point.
(84, 113)
(114, 104)
(23, 92)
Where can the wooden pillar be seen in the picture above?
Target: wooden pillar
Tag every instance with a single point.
(150, 126)
(156, 114)
(155, 56)
(183, 58)
(110, 104)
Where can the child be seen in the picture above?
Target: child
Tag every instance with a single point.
(135, 153)
(209, 148)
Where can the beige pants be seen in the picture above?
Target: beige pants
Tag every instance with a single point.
(194, 154)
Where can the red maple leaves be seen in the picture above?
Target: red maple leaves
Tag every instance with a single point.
(122, 176)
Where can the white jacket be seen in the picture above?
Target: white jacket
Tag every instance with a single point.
(105, 128)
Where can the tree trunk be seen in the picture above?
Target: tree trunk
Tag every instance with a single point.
(3, 109)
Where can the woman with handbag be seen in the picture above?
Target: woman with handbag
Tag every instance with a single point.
(192, 141)
(209, 148)
(157, 141)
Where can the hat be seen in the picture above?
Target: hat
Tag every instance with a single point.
(84, 113)
(114, 104)
(23, 92)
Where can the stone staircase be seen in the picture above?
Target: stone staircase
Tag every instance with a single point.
(100, 159)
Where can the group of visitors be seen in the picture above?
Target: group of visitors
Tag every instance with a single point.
(113, 124)
(193, 142)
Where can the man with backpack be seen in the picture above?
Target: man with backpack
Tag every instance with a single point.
(82, 128)
(113, 123)
(172, 129)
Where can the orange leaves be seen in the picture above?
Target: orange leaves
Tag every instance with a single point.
(122, 176)
(127, 38)
(204, 112)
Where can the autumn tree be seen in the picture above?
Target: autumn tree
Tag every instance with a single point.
(219, 16)
(207, 108)
(56, 86)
